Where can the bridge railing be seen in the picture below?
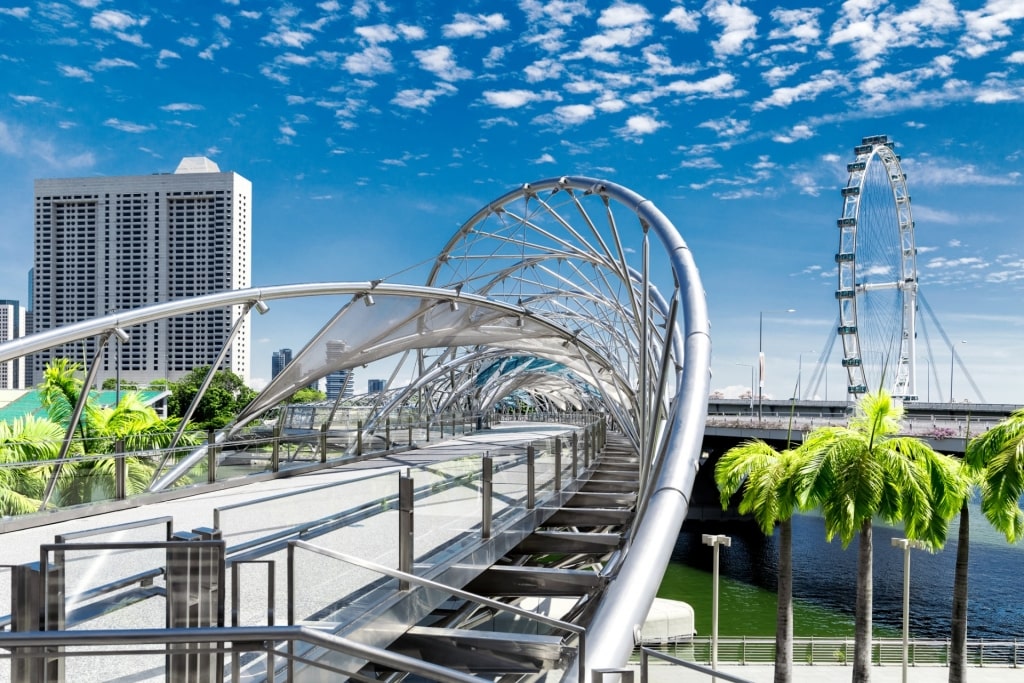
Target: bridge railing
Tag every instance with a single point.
(100, 470)
(459, 505)
(933, 427)
(839, 651)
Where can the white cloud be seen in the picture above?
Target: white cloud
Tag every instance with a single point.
(412, 32)
(641, 124)
(370, 62)
(941, 262)
(379, 33)
(182, 106)
(416, 98)
(74, 72)
(114, 20)
(440, 61)
(573, 114)
(115, 63)
(164, 56)
(27, 99)
(1016, 57)
(798, 27)
(739, 26)
(544, 159)
(699, 162)
(511, 99)
(128, 126)
(16, 12)
(808, 90)
(623, 14)
(943, 172)
(684, 21)
(986, 26)
(543, 69)
(222, 21)
(777, 74)
(719, 84)
(563, 12)
(474, 26)
(872, 28)
(798, 132)
(726, 127)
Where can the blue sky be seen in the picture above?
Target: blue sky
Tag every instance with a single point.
(372, 130)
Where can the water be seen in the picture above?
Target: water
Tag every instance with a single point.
(824, 582)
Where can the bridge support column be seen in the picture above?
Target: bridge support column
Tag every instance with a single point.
(405, 527)
(195, 599)
(531, 478)
(36, 606)
(558, 463)
(486, 493)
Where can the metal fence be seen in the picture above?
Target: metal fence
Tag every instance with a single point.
(839, 651)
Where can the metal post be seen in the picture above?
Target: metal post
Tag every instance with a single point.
(575, 454)
(120, 471)
(275, 450)
(32, 611)
(387, 434)
(76, 415)
(211, 456)
(531, 477)
(906, 545)
(487, 491)
(359, 437)
(323, 442)
(405, 527)
(558, 464)
(715, 541)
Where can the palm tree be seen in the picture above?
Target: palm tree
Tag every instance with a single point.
(767, 477)
(26, 444)
(138, 426)
(994, 462)
(863, 470)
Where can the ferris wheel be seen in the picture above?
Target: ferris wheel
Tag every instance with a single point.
(877, 266)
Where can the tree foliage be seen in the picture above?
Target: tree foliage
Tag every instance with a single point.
(226, 396)
(307, 395)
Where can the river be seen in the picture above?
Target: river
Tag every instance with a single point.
(824, 582)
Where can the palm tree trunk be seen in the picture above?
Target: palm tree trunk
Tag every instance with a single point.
(958, 623)
(862, 611)
(784, 618)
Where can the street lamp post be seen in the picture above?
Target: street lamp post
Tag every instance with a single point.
(760, 357)
(952, 357)
(800, 374)
(715, 541)
(906, 544)
(748, 365)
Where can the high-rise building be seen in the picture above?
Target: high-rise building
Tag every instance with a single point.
(106, 244)
(339, 383)
(278, 361)
(12, 326)
(374, 386)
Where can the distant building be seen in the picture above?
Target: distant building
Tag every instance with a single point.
(374, 386)
(105, 244)
(339, 382)
(12, 326)
(278, 361)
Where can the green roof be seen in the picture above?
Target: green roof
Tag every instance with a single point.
(31, 403)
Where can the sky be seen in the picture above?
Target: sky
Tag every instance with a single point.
(372, 130)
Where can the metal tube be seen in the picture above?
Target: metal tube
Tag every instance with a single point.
(76, 415)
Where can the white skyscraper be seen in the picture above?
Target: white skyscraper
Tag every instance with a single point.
(12, 326)
(107, 244)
